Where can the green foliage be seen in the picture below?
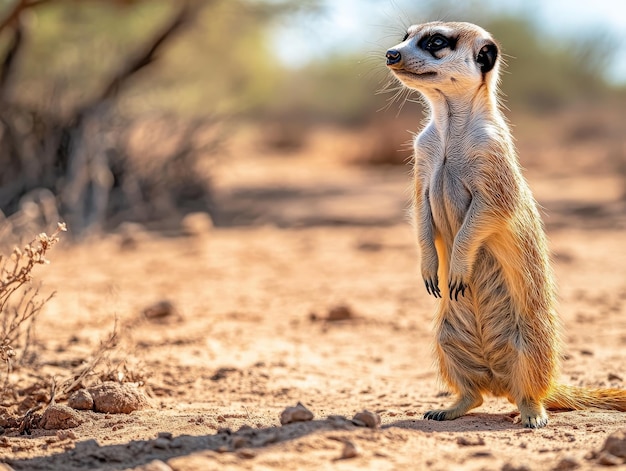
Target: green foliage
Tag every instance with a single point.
(340, 88)
(544, 73)
(221, 63)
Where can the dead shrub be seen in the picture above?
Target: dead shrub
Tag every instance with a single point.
(19, 300)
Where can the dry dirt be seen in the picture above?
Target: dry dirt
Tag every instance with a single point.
(309, 292)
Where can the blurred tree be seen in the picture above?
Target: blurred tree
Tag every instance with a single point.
(76, 76)
(221, 63)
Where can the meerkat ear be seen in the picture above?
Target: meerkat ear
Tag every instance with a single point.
(487, 56)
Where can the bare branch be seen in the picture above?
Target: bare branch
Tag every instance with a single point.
(149, 54)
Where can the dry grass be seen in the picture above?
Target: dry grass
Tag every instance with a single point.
(19, 300)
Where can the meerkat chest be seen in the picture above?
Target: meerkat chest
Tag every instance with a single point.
(445, 174)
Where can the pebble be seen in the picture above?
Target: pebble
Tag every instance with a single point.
(615, 444)
(115, 398)
(57, 417)
(366, 419)
(161, 443)
(299, 413)
(159, 310)
(340, 312)
(566, 463)
(349, 450)
(81, 400)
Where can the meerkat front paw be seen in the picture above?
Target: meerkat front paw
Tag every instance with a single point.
(432, 286)
(430, 266)
(456, 285)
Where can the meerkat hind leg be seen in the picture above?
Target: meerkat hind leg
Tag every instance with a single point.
(533, 413)
(464, 403)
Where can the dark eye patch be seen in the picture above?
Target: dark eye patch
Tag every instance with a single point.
(436, 42)
(406, 36)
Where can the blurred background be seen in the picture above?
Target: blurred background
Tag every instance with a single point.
(282, 112)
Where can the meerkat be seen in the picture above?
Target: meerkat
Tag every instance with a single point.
(482, 241)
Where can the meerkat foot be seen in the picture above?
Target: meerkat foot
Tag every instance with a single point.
(459, 408)
(533, 414)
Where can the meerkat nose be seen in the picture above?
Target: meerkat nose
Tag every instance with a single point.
(393, 57)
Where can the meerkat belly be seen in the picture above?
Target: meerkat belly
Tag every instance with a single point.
(480, 329)
(496, 313)
(449, 200)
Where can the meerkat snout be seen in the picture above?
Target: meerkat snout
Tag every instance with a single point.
(393, 56)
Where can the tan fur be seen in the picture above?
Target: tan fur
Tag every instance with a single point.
(482, 241)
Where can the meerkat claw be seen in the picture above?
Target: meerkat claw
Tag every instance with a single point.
(432, 286)
(427, 286)
(456, 287)
(438, 415)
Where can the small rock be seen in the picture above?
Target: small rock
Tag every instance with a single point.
(166, 435)
(160, 310)
(161, 443)
(295, 414)
(615, 444)
(607, 459)
(196, 224)
(349, 450)
(470, 441)
(614, 377)
(81, 400)
(367, 419)
(223, 373)
(115, 398)
(340, 312)
(57, 417)
(566, 463)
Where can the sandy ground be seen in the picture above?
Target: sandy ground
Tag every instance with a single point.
(250, 334)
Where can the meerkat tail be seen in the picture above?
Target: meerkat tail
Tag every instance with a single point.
(563, 397)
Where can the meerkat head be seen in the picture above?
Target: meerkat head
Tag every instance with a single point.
(445, 58)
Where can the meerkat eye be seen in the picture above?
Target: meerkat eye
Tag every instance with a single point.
(434, 42)
(406, 36)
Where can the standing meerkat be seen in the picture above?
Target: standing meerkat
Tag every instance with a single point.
(482, 241)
